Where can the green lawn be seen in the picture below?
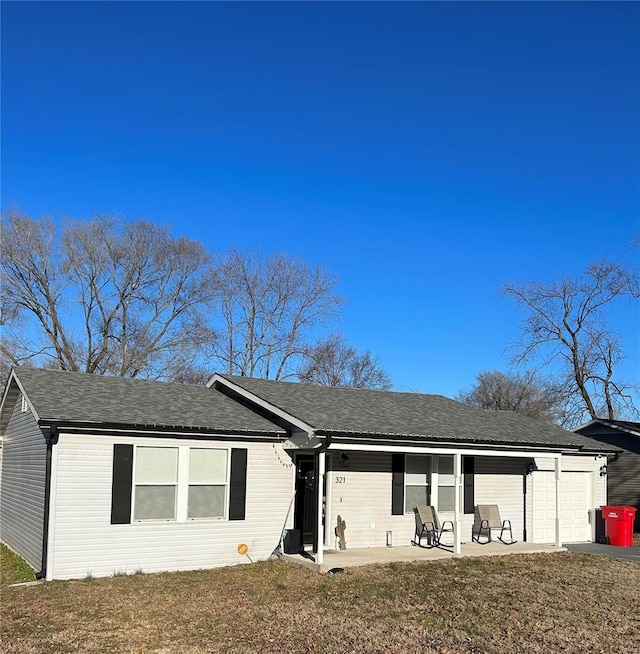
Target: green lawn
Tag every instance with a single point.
(547, 603)
(13, 569)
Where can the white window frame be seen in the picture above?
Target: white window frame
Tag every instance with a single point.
(435, 478)
(136, 484)
(182, 484)
(225, 484)
(428, 484)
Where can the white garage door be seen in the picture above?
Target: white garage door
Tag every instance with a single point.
(575, 500)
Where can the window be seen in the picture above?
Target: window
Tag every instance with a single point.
(446, 484)
(417, 482)
(178, 483)
(156, 483)
(207, 483)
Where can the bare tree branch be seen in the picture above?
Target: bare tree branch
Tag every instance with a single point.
(565, 322)
(104, 296)
(522, 393)
(334, 363)
(269, 308)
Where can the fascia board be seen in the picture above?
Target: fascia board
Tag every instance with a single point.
(256, 399)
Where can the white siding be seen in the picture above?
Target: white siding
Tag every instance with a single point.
(85, 543)
(22, 493)
(500, 481)
(363, 500)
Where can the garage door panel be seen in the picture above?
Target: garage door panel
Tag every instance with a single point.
(575, 501)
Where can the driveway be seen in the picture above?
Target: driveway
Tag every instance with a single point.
(612, 551)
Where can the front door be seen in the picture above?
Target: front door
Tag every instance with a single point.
(304, 517)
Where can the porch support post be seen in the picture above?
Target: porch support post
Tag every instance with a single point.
(319, 525)
(457, 470)
(558, 471)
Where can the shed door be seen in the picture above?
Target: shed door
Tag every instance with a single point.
(575, 501)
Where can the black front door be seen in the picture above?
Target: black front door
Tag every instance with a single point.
(306, 504)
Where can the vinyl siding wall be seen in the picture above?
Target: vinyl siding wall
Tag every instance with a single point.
(501, 481)
(361, 495)
(85, 543)
(22, 492)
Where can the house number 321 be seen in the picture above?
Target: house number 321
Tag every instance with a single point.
(341, 480)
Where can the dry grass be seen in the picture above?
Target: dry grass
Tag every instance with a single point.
(521, 603)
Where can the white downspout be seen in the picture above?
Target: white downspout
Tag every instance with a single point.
(53, 491)
(319, 525)
(558, 471)
(457, 541)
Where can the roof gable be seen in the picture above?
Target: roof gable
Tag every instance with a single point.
(605, 430)
(340, 410)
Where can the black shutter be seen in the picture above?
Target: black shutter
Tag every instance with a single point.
(121, 484)
(468, 468)
(397, 483)
(238, 484)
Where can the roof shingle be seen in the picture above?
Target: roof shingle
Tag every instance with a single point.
(64, 396)
(339, 410)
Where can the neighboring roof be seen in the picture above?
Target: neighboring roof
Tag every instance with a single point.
(74, 397)
(344, 411)
(628, 426)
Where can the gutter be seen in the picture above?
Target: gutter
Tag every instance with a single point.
(97, 428)
(327, 442)
(52, 439)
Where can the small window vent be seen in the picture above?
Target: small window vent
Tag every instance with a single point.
(24, 406)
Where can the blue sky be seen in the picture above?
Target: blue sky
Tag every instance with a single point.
(425, 152)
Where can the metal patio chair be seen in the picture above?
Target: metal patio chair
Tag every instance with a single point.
(487, 517)
(428, 526)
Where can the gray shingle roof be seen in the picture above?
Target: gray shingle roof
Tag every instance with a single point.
(336, 410)
(79, 397)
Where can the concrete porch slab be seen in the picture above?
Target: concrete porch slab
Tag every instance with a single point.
(408, 554)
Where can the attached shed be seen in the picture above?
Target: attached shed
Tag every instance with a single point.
(623, 470)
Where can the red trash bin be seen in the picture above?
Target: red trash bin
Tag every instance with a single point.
(618, 522)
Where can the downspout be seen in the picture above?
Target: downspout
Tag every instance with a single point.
(52, 439)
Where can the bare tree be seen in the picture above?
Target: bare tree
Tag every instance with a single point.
(522, 393)
(103, 296)
(565, 325)
(334, 363)
(269, 308)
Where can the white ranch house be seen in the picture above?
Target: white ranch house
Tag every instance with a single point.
(105, 475)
